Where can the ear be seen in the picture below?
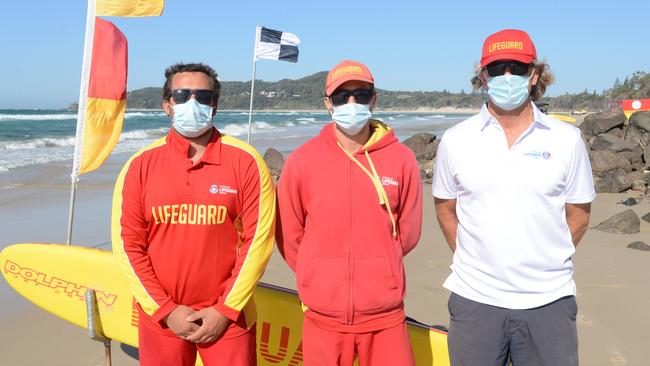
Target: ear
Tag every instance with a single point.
(328, 104)
(373, 102)
(214, 109)
(534, 77)
(167, 108)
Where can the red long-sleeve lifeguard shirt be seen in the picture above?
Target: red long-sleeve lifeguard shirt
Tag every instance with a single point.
(198, 235)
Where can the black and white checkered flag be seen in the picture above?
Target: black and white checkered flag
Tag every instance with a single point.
(276, 45)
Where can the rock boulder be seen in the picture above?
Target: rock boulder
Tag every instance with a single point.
(426, 168)
(614, 181)
(636, 135)
(605, 160)
(646, 217)
(639, 245)
(431, 150)
(611, 142)
(274, 161)
(641, 120)
(626, 222)
(639, 182)
(418, 143)
(597, 123)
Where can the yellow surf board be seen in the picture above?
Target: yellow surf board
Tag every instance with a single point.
(563, 117)
(56, 277)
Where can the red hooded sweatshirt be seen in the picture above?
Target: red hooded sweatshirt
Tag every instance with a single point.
(336, 232)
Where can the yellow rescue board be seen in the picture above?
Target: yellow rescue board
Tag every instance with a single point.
(56, 277)
(563, 117)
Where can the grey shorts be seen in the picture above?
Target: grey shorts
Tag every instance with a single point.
(485, 335)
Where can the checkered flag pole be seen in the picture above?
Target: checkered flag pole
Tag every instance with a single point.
(271, 44)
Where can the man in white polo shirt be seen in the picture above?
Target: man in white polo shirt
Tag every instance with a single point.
(512, 189)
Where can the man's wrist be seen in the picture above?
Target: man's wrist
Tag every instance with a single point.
(226, 311)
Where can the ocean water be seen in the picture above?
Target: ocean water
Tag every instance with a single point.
(31, 137)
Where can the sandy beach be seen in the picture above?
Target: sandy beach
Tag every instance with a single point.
(613, 281)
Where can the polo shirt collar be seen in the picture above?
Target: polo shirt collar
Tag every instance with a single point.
(486, 118)
(540, 118)
(180, 146)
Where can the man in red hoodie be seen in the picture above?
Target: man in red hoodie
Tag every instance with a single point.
(350, 208)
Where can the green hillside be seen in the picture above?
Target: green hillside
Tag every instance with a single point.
(307, 93)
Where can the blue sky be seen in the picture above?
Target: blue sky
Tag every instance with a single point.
(408, 45)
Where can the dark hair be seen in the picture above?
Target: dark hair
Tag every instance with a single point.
(193, 67)
(545, 78)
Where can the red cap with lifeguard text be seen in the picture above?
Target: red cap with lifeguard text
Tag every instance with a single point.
(508, 44)
(345, 71)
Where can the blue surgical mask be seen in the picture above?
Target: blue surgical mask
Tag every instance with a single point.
(508, 91)
(192, 119)
(351, 117)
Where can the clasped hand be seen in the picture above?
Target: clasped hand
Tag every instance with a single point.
(202, 326)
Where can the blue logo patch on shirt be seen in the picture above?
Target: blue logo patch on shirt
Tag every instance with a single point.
(533, 154)
(538, 155)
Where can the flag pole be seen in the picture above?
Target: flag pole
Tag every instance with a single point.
(81, 111)
(250, 108)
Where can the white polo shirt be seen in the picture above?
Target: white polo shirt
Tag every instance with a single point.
(513, 246)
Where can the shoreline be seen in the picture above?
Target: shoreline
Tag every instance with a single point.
(379, 109)
(445, 110)
(24, 161)
(452, 110)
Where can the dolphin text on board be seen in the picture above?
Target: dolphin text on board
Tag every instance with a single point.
(56, 284)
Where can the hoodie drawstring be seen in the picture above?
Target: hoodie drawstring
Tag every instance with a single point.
(374, 178)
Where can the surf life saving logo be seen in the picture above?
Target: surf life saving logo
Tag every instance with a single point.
(538, 155)
(388, 181)
(222, 189)
(283, 352)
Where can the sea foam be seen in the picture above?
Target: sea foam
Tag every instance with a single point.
(37, 117)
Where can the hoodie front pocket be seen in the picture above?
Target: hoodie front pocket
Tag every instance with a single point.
(375, 287)
(324, 285)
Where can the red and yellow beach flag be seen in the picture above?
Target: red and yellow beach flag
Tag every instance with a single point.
(102, 92)
(106, 97)
(129, 8)
(630, 106)
(102, 95)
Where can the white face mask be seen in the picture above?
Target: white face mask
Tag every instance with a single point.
(192, 119)
(351, 117)
(508, 91)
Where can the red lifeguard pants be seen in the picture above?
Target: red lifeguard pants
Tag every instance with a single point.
(388, 347)
(160, 347)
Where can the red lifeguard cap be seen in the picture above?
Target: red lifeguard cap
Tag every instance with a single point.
(345, 71)
(508, 44)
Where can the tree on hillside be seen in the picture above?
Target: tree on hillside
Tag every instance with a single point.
(635, 86)
(307, 93)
